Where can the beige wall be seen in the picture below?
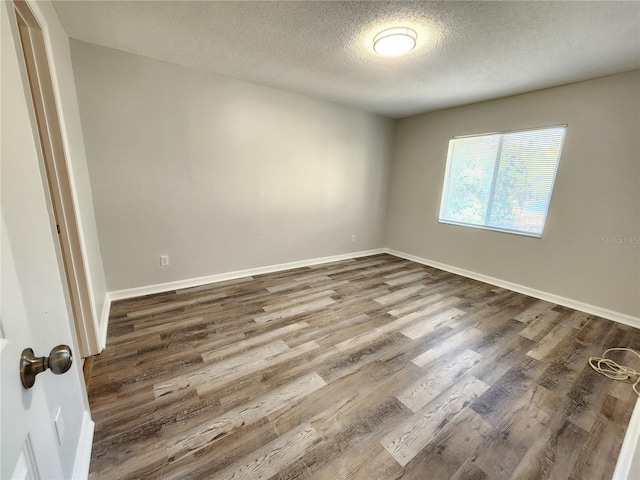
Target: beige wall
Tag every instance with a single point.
(596, 195)
(222, 175)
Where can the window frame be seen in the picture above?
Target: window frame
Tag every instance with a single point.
(446, 183)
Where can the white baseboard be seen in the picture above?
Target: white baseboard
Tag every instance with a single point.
(104, 322)
(222, 277)
(83, 452)
(629, 458)
(195, 282)
(532, 292)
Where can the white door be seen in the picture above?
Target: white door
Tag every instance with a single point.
(41, 428)
(25, 422)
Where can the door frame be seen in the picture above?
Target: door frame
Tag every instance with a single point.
(35, 307)
(57, 176)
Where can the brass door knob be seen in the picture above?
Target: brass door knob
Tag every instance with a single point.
(59, 361)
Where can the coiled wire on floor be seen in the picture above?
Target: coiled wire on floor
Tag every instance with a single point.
(611, 369)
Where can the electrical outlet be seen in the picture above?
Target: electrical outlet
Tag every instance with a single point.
(353, 238)
(164, 260)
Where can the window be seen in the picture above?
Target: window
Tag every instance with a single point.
(502, 181)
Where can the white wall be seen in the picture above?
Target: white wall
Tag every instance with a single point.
(65, 90)
(221, 175)
(596, 195)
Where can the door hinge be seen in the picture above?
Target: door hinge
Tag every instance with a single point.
(58, 228)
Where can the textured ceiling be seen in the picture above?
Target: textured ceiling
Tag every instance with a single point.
(467, 51)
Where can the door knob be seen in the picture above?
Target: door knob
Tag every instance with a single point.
(58, 361)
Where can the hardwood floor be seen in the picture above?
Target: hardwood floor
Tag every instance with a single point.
(375, 368)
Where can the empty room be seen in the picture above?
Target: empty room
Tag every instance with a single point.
(320, 240)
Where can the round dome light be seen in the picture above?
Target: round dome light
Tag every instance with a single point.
(395, 41)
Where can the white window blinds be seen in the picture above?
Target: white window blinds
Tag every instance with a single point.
(502, 181)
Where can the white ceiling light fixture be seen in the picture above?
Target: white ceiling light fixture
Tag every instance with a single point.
(394, 42)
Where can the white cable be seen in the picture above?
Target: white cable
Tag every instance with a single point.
(615, 371)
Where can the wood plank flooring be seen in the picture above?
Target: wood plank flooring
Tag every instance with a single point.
(373, 368)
